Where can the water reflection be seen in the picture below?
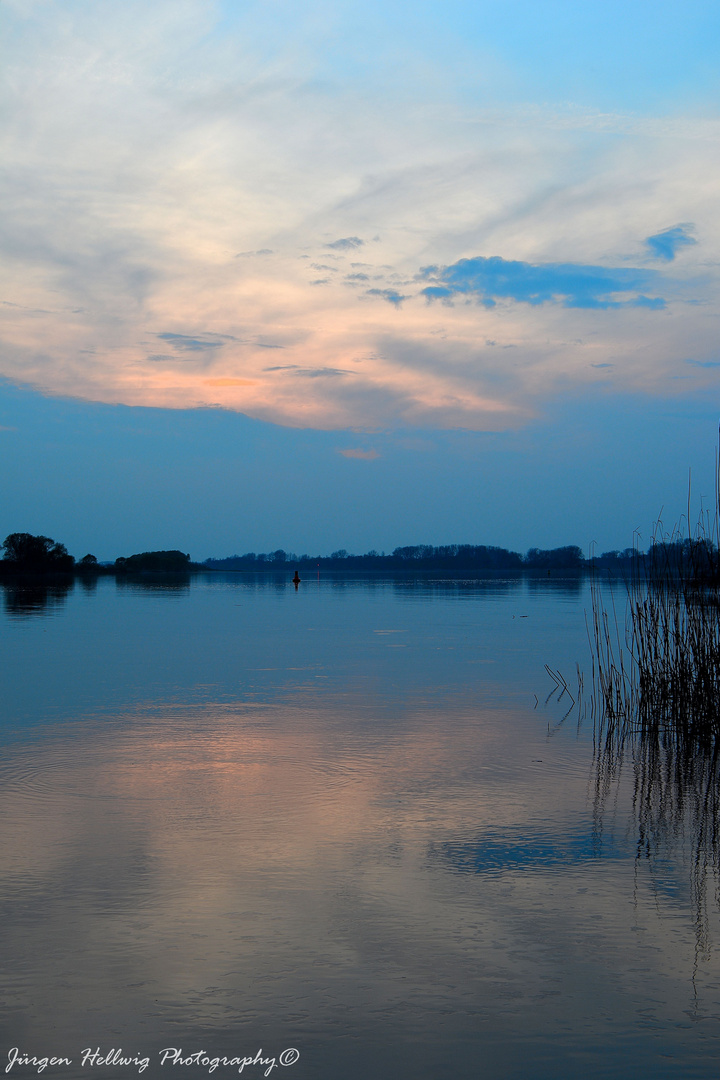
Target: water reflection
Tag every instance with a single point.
(165, 584)
(570, 585)
(414, 585)
(334, 820)
(675, 811)
(88, 583)
(35, 596)
(514, 848)
(457, 587)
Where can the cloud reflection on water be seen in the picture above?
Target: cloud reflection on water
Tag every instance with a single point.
(248, 868)
(240, 815)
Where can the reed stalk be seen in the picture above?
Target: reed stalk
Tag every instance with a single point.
(660, 671)
(655, 704)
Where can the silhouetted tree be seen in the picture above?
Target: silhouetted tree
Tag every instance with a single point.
(562, 558)
(155, 562)
(23, 551)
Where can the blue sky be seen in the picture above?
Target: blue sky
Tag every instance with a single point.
(389, 275)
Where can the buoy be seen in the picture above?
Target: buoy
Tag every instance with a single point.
(296, 579)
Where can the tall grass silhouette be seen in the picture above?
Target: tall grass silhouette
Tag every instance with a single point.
(655, 703)
(656, 667)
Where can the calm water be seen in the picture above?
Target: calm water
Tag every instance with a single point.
(238, 818)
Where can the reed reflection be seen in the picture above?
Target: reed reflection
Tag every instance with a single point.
(675, 810)
(655, 704)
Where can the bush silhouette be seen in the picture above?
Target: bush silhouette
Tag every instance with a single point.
(154, 562)
(23, 551)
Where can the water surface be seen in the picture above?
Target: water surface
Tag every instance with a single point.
(343, 820)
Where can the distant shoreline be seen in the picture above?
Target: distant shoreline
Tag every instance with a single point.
(696, 557)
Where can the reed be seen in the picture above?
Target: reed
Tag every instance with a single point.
(655, 705)
(656, 667)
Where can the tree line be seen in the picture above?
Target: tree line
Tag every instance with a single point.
(26, 553)
(473, 558)
(449, 557)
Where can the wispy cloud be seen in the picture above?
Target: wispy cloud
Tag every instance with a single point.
(229, 382)
(190, 344)
(391, 295)
(138, 194)
(666, 244)
(346, 243)
(310, 373)
(321, 373)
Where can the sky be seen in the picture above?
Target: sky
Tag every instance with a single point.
(342, 275)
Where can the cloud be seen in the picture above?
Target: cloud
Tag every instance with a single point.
(574, 285)
(319, 373)
(310, 373)
(229, 382)
(704, 363)
(362, 455)
(189, 344)
(665, 244)
(391, 295)
(346, 243)
(130, 187)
